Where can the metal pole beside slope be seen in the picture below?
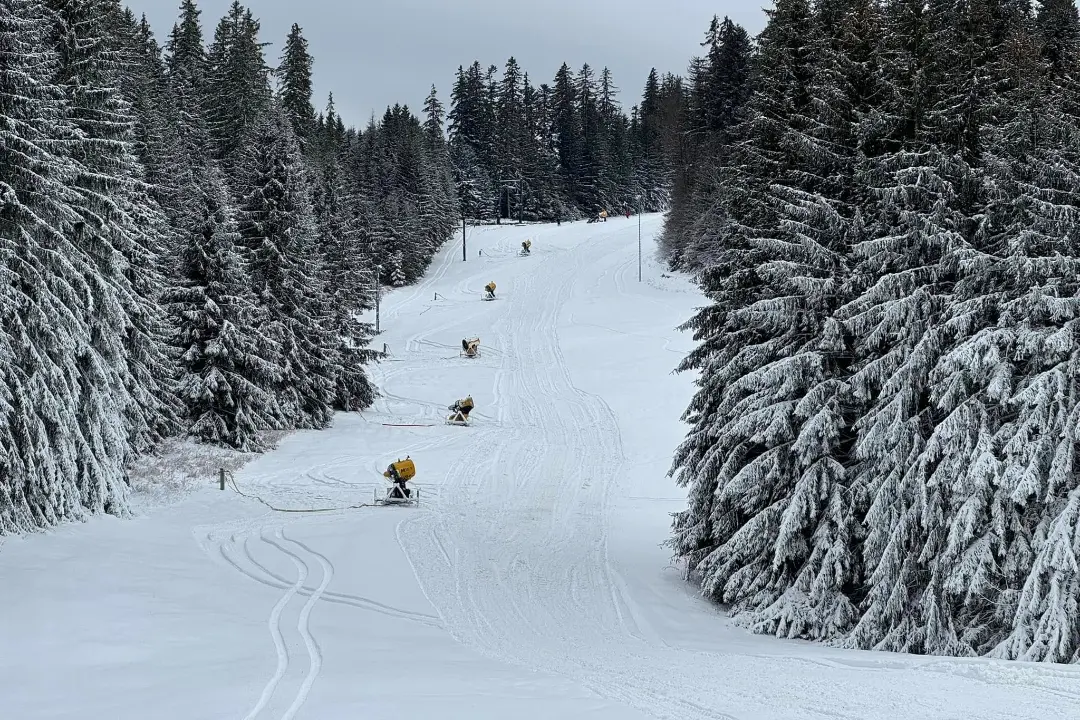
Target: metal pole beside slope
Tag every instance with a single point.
(639, 239)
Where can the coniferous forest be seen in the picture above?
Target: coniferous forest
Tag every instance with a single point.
(564, 150)
(187, 245)
(879, 199)
(883, 442)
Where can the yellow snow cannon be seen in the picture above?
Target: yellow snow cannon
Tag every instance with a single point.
(402, 470)
(489, 291)
(470, 347)
(459, 412)
(399, 473)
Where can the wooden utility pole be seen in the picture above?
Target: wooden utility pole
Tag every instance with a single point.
(378, 274)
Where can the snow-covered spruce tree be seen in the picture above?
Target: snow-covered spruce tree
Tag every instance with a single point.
(122, 224)
(62, 440)
(438, 171)
(408, 182)
(238, 84)
(566, 127)
(144, 84)
(1046, 626)
(434, 115)
(230, 371)
(1022, 356)
(472, 123)
(509, 132)
(721, 89)
(958, 468)
(186, 144)
(349, 282)
(392, 227)
(587, 169)
(186, 50)
(397, 272)
(279, 231)
(294, 75)
(929, 191)
(615, 172)
(730, 281)
(544, 199)
(430, 210)
(769, 528)
(662, 116)
(474, 186)
(819, 203)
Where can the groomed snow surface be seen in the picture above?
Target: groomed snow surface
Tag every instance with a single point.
(531, 581)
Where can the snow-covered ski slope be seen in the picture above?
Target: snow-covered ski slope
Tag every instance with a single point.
(530, 583)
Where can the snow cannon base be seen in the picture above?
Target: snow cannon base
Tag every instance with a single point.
(392, 497)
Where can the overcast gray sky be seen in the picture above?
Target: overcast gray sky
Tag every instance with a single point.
(374, 53)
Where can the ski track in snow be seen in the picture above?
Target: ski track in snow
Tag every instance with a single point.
(531, 581)
(235, 552)
(303, 624)
(230, 543)
(274, 623)
(515, 558)
(512, 548)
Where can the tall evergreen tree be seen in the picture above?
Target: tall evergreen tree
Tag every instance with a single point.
(768, 527)
(566, 128)
(928, 186)
(434, 114)
(144, 84)
(294, 75)
(188, 143)
(187, 63)
(63, 445)
(544, 197)
(719, 93)
(230, 369)
(510, 134)
(238, 90)
(120, 225)
(1017, 314)
(349, 278)
(278, 228)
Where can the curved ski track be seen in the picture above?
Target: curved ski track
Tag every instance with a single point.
(230, 544)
